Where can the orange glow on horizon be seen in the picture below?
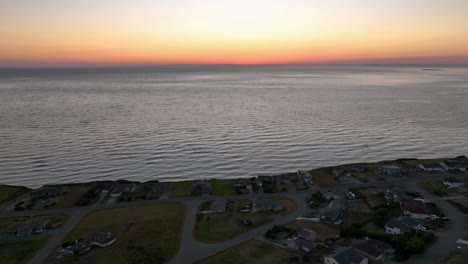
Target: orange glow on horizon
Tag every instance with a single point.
(222, 32)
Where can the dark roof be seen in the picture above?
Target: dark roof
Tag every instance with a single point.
(266, 204)
(349, 256)
(333, 213)
(415, 206)
(218, 205)
(306, 233)
(372, 247)
(101, 237)
(301, 242)
(454, 164)
(432, 165)
(451, 180)
(404, 223)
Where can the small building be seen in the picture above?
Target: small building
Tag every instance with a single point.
(403, 224)
(391, 170)
(348, 256)
(200, 187)
(218, 206)
(453, 165)
(306, 234)
(45, 193)
(306, 176)
(104, 188)
(415, 209)
(340, 172)
(128, 188)
(394, 195)
(242, 186)
(373, 249)
(80, 248)
(451, 182)
(266, 205)
(430, 167)
(333, 215)
(35, 226)
(102, 239)
(300, 244)
(116, 192)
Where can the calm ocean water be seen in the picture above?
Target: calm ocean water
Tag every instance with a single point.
(173, 123)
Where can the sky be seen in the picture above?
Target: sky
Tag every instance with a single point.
(115, 32)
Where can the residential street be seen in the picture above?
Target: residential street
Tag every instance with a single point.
(193, 250)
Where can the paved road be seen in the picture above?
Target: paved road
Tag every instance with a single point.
(446, 240)
(193, 250)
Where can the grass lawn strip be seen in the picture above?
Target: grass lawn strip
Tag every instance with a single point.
(252, 251)
(145, 232)
(223, 187)
(20, 251)
(324, 178)
(183, 188)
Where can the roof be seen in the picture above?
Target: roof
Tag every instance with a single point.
(218, 205)
(266, 204)
(404, 223)
(372, 247)
(26, 228)
(415, 207)
(451, 180)
(306, 233)
(301, 242)
(432, 166)
(101, 237)
(453, 164)
(333, 213)
(349, 256)
(390, 167)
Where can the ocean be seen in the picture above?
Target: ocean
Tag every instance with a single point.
(197, 122)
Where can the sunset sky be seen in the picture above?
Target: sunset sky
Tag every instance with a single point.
(90, 32)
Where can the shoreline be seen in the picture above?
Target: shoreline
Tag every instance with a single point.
(382, 162)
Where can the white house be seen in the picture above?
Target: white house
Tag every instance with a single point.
(451, 182)
(346, 257)
(431, 167)
(403, 224)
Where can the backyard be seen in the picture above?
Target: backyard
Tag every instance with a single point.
(223, 187)
(182, 188)
(20, 251)
(324, 178)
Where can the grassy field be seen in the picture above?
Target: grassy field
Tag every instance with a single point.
(183, 188)
(147, 231)
(465, 235)
(221, 227)
(73, 194)
(357, 218)
(324, 178)
(436, 187)
(20, 251)
(8, 193)
(252, 251)
(223, 187)
(323, 231)
(456, 259)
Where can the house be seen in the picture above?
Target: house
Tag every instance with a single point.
(403, 224)
(373, 249)
(451, 182)
(104, 188)
(80, 248)
(339, 172)
(218, 206)
(430, 167)
(116, 192)
(452, 165)
(333, 215)
(242, 186)
(359, 168)
(128, 188)
(415, 209)
(266, 205)
(102, 239)
(306, 234)
(391, 170)
(200, 187)
(35, 226)
(348, 256)
(300, 244)
(45, 193)
(394, 195)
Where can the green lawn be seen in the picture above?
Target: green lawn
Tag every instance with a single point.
(223, 187)
(183, 188)
(8, 193)
(438, 188)
(456, 259)
(148, 231)
(20, 251)
(323, 177)
(221, 227)
(72, 194)
(252, 251)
